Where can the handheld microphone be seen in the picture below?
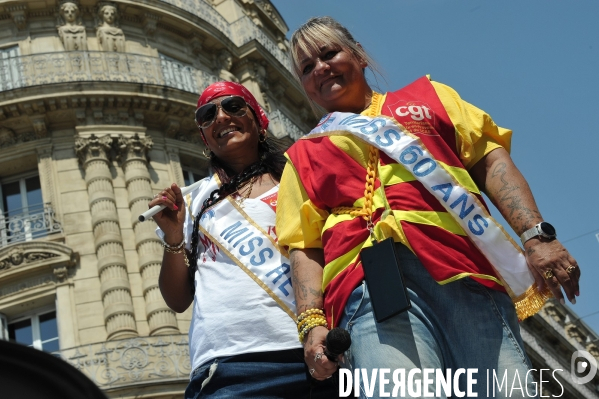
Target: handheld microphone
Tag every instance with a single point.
(157, 208)
(336, 342)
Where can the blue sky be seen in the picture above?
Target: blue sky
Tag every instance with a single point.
(532, 65)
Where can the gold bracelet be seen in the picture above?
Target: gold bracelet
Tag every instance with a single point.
(178, 246)
(179, 250)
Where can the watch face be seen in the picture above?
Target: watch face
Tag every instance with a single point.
(548, 229)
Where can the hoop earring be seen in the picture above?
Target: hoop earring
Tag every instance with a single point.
(262, 138)
(207, 155)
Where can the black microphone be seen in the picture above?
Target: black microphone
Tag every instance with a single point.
(336, 342)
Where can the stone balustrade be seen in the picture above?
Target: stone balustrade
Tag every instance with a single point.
(122, 363)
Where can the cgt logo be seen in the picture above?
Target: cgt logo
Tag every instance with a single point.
(583, 367)
(415, 110)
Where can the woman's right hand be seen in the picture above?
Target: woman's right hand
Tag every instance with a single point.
(170, 220)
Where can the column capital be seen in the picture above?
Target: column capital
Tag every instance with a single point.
(93, 147)
(133, 147)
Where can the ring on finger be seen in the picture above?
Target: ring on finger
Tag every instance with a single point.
(312, 371)
(318, 357)
(570, 269)
(548, 274)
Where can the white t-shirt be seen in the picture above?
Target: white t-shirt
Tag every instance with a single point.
(232, 314)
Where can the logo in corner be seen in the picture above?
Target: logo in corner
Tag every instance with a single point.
(583, 367)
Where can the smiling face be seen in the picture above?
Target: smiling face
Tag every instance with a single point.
(232, 138)
(333, 78)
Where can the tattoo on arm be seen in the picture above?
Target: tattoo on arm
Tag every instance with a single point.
(306, 295)
(519, 216)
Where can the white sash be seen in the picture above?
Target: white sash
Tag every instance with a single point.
(251, 248)
(496, 245)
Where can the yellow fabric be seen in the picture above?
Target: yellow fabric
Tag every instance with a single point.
(476, 135)
(298, 229)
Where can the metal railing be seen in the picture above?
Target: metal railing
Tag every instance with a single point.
(93, 66)
(240, 32)
(27, 224)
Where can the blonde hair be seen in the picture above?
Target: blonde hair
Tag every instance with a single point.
(309, 37)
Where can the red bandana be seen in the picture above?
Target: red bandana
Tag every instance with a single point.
(220, 89)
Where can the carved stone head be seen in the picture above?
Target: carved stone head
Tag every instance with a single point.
(16, 257)
(225, 60)
(69, 12)
(108, 15)
(7, 137)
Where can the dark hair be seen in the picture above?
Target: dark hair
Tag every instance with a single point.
(272, 161)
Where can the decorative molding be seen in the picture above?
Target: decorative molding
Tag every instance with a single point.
(128, 362)
(39, 125)
(196, 44)
(92, 147)
(29, 260)
(133, 147)
(149, 22)
(18, 13)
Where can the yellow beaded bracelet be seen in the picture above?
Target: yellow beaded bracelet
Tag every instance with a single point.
(309, 312)
(309, 318)
(310, 326)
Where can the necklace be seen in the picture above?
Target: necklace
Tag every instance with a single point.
(240, 198)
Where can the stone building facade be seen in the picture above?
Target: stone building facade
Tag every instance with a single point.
(96, 115)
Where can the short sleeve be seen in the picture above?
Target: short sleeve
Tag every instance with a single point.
(476, 132)
(299, 221)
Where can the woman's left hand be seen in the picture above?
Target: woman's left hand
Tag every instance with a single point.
(552, 266)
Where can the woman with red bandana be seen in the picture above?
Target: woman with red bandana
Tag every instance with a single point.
(221, 254)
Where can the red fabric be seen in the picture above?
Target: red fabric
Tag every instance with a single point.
(220, 89)
(419, 109)
(314, 159)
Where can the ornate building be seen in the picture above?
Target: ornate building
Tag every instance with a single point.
(96, 115)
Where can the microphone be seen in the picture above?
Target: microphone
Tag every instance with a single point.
(157, 208)
(336, 342)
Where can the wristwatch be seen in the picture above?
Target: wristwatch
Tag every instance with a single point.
(542, 229)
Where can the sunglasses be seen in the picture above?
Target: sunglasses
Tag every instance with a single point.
(233, 106)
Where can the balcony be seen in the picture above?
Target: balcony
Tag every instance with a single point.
(98, 66)
(240, 32)
(27, 224)
(94, 66)
(120, 364)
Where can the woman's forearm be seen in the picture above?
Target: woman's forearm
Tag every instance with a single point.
(306, 266)
(175, 282)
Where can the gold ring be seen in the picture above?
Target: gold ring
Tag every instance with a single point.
(570, 269)
(548, 274)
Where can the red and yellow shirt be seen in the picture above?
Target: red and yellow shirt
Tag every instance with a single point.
(323, 173)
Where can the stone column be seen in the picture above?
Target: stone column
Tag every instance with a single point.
(93, 153)
(133, 156)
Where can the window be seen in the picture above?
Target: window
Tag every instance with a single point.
(39, 331)
(10, 68)
(22, 216)
(191, 177)
(3, 327)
